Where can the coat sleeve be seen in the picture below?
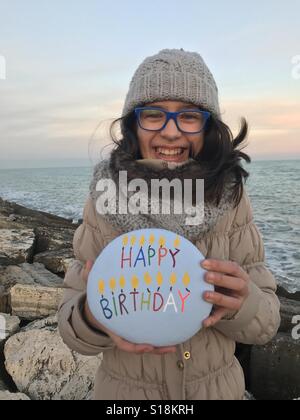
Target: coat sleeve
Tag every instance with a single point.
(74, 330)
(259, 319)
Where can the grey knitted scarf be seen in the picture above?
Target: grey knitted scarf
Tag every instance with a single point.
(148, 169)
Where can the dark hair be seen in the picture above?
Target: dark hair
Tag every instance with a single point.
(220, 156)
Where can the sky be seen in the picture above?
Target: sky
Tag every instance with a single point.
(65, 68)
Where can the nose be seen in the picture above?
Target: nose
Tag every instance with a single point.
(171, 131)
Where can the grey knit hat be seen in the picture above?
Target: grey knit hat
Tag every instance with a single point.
(173, 74)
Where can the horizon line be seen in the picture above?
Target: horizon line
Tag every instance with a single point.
(84, 164)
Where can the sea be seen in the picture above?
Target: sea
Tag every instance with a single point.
(273, 187)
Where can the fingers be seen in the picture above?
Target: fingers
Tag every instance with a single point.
(164, 350)
(140, 348)
(89, 265)
(132, 348)
(228, 302)
(86, 271)
(227, 276)
(217, 316)
(226, 282)
(227, 267)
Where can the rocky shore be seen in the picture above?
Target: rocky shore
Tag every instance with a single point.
(35, 252)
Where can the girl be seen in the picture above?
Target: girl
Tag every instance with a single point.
(171, 128)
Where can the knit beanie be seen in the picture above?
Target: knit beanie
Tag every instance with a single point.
(173, 74)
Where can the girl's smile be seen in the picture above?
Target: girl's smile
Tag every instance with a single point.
(176, 153)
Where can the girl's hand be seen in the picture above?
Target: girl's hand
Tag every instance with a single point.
(120, 342)
(232, 288)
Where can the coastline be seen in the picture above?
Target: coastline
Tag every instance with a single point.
(36, 250)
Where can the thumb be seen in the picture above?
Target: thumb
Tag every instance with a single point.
(88, 266)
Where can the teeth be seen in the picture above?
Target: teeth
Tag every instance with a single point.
(169, 152)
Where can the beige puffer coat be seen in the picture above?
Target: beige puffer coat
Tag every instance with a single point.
(204, 367)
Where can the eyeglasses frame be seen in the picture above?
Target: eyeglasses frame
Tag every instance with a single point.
(172, 115)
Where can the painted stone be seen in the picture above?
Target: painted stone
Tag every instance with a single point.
(147, 286)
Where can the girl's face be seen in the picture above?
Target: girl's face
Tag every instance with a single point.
(169, 144)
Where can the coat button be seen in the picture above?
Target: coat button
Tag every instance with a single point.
(187, 355)
(180, 364)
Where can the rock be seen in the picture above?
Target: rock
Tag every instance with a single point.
(275, 369)
(53, 239)
(282, 292)
(35, 302)
(25, 274)
(66, 263)
(16, 245)
(4, 299)
(289, 309)
(2, 386)
(29, 274)
(9, 325)
(49, 323)
(9, 396)
(44, 368)
(29, 217)
(56, 261)
(243, 354)
(51, 232)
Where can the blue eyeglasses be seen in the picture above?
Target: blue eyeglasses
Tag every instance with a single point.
(187, 121)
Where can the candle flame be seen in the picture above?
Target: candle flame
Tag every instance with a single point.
(142, 240)
(133, 240)
(162, 241)
(151, 239)
(135, 282)
(101, 287)
(125, 240)
(159, 279)
(147, 279)
(112, 283)
(186, 279)
(122, 282)
(177, 242)
(173, 279)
